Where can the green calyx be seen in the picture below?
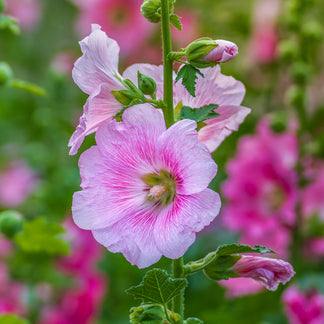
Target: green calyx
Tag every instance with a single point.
(198, 49)
(147, 314)
(162, 187)
(151, 10)
(10, 223)
(146, 84)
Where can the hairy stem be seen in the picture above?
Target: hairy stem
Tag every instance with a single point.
(168, 64)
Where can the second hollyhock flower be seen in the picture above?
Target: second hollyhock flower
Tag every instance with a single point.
(145, 187)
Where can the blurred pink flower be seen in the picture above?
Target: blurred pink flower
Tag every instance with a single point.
(303, 307)
(17, 181)
(264, 38)
(63, 63)
(27, 12)
(261, 188)
(145, 187)
(237, 287)
(117, 18)
(267, 271)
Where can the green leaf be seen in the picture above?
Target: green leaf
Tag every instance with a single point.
(12, 319)
(193, 320)
(236, 248)
(157, 287)
(175, 21)
(188, 74)
(7, 22)
(41, 237)
(199, 114)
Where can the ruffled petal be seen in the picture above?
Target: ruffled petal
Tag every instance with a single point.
(192, 167)
(176, 227)
(220, 127)
(99, 62)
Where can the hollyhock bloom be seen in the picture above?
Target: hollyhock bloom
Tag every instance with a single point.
(96, 73)
(27, 12)
(222, 53)
(262, 207)
(303, 307)
(145, 187)
(17, 181)
(237, 287)
(117, 18)
(269, 272)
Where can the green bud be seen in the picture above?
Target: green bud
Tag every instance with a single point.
(6, 74)
(10, 223)
(125, 97)
(295, 96)
(301, 72)
(279, 121)
(146, 84)
(151, 10)
(147, 314)
(313, 31)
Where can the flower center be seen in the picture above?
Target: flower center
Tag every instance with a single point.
(161, 186)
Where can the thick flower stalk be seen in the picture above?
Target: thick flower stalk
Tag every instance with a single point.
(145, 187)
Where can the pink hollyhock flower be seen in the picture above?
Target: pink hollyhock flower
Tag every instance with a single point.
(117, 18)
(303, 307)
(27, 12)
(269, 272)
(262, 207)
(17, 181)
(222, 53)
(237, 287)
(145, 187)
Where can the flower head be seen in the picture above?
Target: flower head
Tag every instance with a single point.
(145, 187)
(267, 271)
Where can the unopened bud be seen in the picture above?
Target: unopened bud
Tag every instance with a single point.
(205, 52)
(146, 84)
(5, 73)
(10, 223)
(125, 97)
(151, 10)
(147, 314)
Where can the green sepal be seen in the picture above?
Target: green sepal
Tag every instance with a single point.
(188, 74)
(147, 314)
(7, 22)
(38, 236)
(158, 287)
(10, 223)
(125, 97)
(199, 114)
(175, 21)
(12, 319)
(193, 320)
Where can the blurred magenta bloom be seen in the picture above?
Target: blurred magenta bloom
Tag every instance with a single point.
(267, 271)
(27, 12)
(264, 38)
(222, 53)
(237, 287)
(303, 307)
(262, 189)
(17, 181)
(145, 187)
(117, 18)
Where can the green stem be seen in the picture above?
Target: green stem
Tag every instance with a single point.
(178, 301)
(168, 64)
(27, 86)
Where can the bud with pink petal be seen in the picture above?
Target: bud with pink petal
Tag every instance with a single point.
(269, 272)
(205, 52)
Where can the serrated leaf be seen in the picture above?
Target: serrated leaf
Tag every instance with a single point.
(199, 114)
(38, 236)
(157, 287)
(236, 248)
(175, 21)
(7, 22)
(188, 74)
(12, 319)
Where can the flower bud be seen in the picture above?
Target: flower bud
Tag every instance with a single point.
(125, 97)
(147, 314)
(146, 84)
(205, 52)
(5, 73)
(151, 10)
(10, 223)
(269, 272)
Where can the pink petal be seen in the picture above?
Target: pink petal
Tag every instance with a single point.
(99, 62)
(220, 127)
